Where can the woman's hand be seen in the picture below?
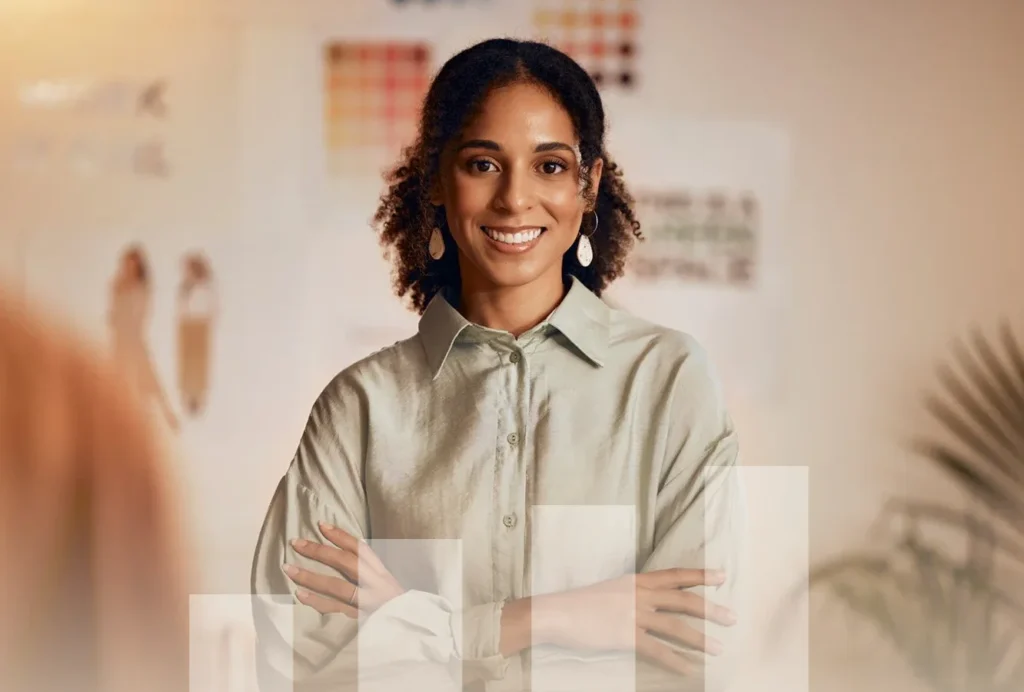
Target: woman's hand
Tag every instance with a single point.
(591, 617)
(365, 583)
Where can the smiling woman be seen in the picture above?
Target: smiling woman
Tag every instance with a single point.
(530, 161)
(517, 195)
(521, 391)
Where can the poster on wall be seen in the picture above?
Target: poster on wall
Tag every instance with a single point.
(128, 319)
(214, 329)
(601, 35)
(710, 197)
(179, 314)
(95, 127)
(698, 236)
(102, 130)
(372, 96)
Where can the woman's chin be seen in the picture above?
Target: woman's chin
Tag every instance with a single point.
(515, 274)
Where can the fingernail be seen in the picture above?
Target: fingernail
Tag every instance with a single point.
(714, 647)
(299, 542)
(729, 616)
(290, 570)
(301, 593)
(719, 575)
(325, 526)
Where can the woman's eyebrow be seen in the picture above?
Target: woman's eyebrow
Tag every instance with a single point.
(479, 144)
(554, 146)
(494, 146)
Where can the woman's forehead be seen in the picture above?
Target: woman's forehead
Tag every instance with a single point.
(520, 115)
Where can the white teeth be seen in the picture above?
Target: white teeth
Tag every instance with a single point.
(513, 238)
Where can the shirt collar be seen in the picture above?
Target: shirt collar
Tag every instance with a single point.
(582, 317)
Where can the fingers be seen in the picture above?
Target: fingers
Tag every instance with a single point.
(672, 627)
(335, 587)
(342, 560)
(325, 605)
(681, 577)
(347, 541)
(662, 654)
(342, 539)
(689, 603)
(354, 560)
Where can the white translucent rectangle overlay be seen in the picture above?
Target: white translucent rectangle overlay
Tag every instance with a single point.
(222, 641)
(413, 641)
(777, 646)
(574, 547)
(751, 522)
(409, 641)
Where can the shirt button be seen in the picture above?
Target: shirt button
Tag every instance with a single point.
(513, 439)
(514, 357)
(509, 520)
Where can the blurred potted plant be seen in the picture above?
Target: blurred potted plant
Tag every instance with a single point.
(945, 589)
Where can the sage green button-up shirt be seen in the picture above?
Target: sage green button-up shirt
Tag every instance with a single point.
(594, 445)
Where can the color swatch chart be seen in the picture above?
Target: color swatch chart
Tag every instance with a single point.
(601, 35)
(373, 95)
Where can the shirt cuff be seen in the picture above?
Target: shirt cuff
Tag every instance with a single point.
(479, 642)
(419, 626)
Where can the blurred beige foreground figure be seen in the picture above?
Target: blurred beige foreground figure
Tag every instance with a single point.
(93, 594)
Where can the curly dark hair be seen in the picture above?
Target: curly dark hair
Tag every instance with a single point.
(406, 217)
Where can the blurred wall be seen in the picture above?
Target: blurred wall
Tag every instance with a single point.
(900, 227)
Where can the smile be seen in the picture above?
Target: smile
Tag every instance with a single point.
(517, 236)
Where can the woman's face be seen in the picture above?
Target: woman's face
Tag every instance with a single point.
(510, 188)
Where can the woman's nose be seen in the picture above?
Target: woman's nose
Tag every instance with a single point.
(516, 193)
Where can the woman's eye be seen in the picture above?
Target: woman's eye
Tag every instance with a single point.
(552, 167)
(481, 166)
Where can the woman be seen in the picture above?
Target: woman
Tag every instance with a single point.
(93, 594)
(523, 402)
(128, 320)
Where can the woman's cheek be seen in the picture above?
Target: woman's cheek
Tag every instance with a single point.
(565, 197)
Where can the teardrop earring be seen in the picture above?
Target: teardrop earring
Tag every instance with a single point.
(436, 245)
(584, 250)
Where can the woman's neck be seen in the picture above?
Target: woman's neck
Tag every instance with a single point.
(515, 309)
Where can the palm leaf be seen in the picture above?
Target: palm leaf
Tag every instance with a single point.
(947, 614)
(958, 521)
(982, 410)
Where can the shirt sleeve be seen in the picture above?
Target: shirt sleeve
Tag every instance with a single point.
(416, 635)
(701, 513)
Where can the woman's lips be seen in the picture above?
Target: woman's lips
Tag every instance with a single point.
(513, 239)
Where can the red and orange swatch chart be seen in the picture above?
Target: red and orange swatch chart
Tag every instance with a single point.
(373, 94)
(601, 35)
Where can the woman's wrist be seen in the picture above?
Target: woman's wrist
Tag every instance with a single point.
(548, 619)
(515, 627)
(529, 621)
